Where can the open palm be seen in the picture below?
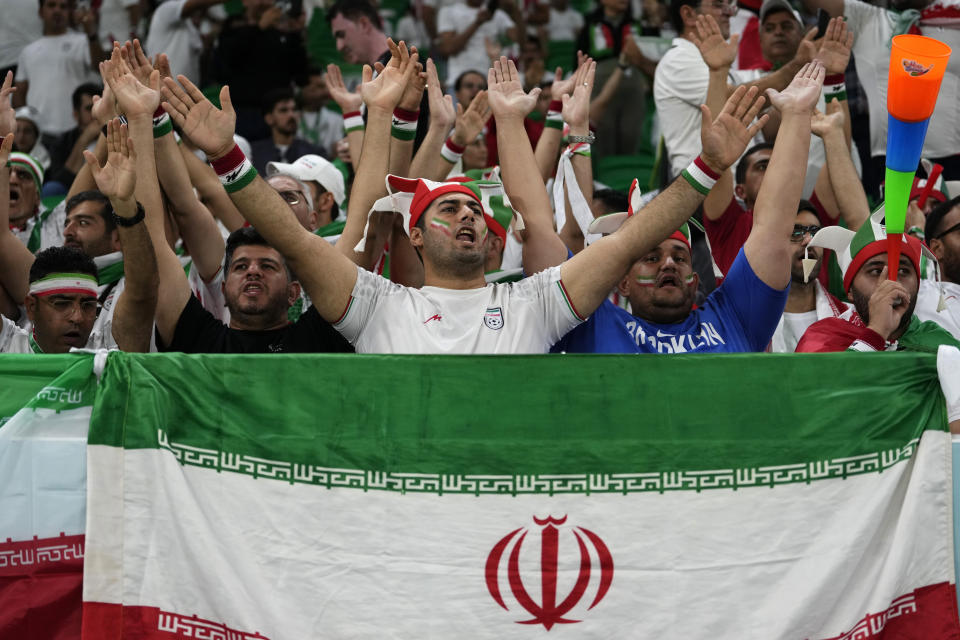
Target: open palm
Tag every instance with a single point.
(209, 128)
(118, 177)
(802, 93)
(505, 91)
(725, 138)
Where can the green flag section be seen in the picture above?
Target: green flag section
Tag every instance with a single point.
(43, 493)
(751, 496)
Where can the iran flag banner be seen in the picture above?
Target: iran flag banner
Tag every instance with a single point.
(45, 405)
(294, 497)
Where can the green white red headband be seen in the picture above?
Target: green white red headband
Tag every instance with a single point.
(64, 284)
(28, 162)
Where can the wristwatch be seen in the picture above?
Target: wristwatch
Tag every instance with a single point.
(129, 222)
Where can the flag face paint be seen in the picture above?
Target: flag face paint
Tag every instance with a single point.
(647, 281)
(443, 226)
(404, 514)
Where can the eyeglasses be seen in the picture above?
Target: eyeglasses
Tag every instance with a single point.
(65, 306)
(800, 230)
(291, 197)
(955, 227)
(719, 5)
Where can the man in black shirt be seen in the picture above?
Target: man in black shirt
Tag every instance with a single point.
(259, 289)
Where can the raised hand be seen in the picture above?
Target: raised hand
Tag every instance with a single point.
(134, 57)
(836, 45)
(118, 176)
(807, 49)
(413, 92)
(133, 98)
(576, 107)
(442, 113)
(207, 127)
(716, 51)
(8, 119)
(104, 106)
(162, 64)
(349, 101)
(471, 122)
(802, 93)
(821, 125)
(385, 91)
(561, 86)
(505, 91)
(726, 138)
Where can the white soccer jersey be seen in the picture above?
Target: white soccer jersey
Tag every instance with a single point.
(528, 316)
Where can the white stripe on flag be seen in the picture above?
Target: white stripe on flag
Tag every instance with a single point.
(798, 560)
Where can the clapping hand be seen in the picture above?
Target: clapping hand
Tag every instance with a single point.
(507, 98)
(118, 176)
(725, 138)
(716, 51)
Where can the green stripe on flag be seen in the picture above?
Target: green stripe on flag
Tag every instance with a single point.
(773, 412)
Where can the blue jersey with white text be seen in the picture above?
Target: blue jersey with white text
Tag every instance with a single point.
(741, 315)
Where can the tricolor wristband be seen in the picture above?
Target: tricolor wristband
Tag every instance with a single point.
(554, 118)
(404, 124)
(161, 123)
(234, 170)
(580, 149)
(451, 151)
(834, 87)
(353, 121)
(700, 176)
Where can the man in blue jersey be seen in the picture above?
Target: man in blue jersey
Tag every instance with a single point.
(742, 314)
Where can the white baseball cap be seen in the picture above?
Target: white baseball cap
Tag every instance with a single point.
(313, 168)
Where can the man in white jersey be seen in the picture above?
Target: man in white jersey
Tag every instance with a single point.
(456, 311)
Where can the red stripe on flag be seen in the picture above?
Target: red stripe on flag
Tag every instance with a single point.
(928, 613)
(41, 587)
(105, 621)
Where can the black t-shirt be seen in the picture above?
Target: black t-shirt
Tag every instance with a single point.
(198, 331)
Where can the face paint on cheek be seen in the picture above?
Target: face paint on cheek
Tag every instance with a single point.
(647, 281)
(689, 279)
(441, 225)
(484, 237)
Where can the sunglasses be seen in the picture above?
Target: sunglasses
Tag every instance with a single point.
(955, 227)
(800, 230)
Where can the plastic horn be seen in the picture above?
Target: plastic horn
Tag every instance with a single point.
(917, 64)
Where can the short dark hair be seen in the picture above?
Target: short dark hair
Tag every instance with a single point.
(741, 173)
(353, 10)
(86, 89)
(613, 200)
(806, 205)
(243, 237)
(61, 260)
(106, 210)
(459, 81)
(675, 18)
(274, 97)
(935, 217)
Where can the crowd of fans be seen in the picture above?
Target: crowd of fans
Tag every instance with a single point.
(184, 176)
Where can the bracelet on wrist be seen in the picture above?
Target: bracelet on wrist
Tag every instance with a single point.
(162, 125)
(234, 170)
(700, 176)
(834, 87)
(554, 118)
(404, 126)
(579, 149)
(134, 220)
(353, 121)
(588, 139)
(451, 151)
(916, 232)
